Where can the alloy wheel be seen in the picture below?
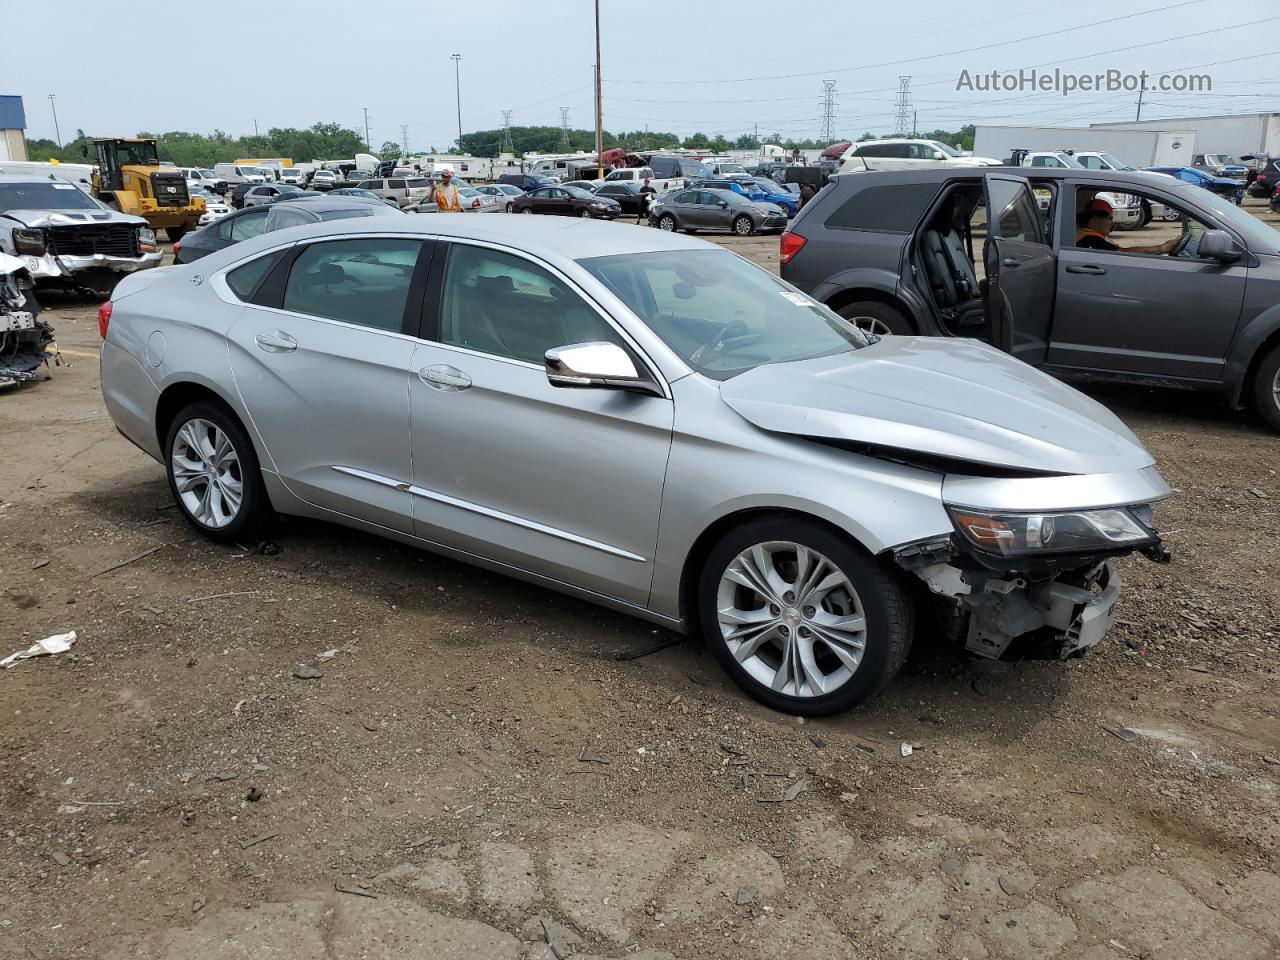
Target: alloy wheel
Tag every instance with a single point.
(871, 325)
(207, 473)
(667, 223)
(791, 618)
(742, 227)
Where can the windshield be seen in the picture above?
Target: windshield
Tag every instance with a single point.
(732, 168)
(44, 195)
(140, 154)
(1114, 162)
(1261, 237)
(209, 174)
(722, 315)
(731, 196)
(949, 151)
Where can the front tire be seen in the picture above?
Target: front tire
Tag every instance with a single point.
(743, 226)
(801, 618)
(1266, 387)
(527, 210)
(213, 472)
(871, 316)
(584, 213)
(508, 207)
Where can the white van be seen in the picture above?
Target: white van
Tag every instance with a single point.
(629, 175)
(235, 173)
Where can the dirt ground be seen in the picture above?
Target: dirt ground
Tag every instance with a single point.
(479, 756)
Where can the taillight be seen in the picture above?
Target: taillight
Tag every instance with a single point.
(789, 245)
(104, 318)
(475, 204)
(176, 248)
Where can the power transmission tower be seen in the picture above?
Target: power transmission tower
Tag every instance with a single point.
(903, 106)
(564, 128)
(404, 138)
(828, 108)
(507, 145)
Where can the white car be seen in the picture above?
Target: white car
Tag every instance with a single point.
(473, 201)
(323, 180)
(898, 153)
(215, 208)
(503, 193)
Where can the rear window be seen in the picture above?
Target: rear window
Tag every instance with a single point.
(244, 280)
(890, 209)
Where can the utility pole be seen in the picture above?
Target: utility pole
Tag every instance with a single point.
(404, 138)
(457, 87)
(57, 134)
(915, 126)
(255, 127)
(828, 107)
(366, 128)
(599, 117)
(903, 106)
(1141, 90)
(507, 146)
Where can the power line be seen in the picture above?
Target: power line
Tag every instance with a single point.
(828, 108)
(949, 53)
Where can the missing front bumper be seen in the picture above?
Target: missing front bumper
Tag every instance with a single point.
(1075, 616)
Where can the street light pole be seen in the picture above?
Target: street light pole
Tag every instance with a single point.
(599, 118)
(457, 86)
(57, 134)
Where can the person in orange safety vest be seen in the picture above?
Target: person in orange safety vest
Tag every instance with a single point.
(1095, 225)
(448, 200)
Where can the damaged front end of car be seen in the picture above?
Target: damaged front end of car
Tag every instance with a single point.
(24, 338)
(1043, 576)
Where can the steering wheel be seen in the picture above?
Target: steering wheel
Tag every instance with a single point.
(725, 333)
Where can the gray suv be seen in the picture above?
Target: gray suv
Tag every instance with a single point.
(901, 253)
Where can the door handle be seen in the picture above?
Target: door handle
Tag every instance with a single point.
(1090, 268)
(444, 377)
(276, 342)
(1010, 262)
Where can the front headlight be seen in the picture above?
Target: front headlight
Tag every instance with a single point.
(146, 240)
(1074, 531)
(30, 242)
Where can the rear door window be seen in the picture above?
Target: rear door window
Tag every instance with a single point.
(364, 281)
(396, 184)
(1016, 216)
(889, 209)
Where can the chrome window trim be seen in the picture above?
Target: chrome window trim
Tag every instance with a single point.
(489, 512)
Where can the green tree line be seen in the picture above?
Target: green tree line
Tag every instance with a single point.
(323, 141)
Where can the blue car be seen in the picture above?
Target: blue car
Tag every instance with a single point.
(1233, 190)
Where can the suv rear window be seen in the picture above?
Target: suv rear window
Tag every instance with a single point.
(890, 209)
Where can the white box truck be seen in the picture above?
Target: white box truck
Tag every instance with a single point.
(1137, 148)
(1235, 135)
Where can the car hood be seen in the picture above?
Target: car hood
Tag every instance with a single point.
(956, 399)
(62, 218)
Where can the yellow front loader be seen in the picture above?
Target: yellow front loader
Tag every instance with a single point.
(129, 178)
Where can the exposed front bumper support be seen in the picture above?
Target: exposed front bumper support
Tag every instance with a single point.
(1001, 610)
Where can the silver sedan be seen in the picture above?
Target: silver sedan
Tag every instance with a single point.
(643, 420)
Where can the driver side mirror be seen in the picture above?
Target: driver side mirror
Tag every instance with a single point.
(1218, 245)
(723, 205)
(597, 365)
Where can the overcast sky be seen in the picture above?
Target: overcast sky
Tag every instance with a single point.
(746, 62)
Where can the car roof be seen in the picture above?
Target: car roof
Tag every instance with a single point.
(943, 173)
(31, 178)
(555, 240)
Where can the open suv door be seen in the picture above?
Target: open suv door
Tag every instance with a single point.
(1020, 268)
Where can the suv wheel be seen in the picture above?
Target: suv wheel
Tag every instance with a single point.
(871, 316)
(802, 619)
(1266, 387)
(213, 472)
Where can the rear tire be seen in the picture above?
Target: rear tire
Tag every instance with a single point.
(871, 316)
(210, 456)
(869, 589)
(527, 210)
(1266, 387)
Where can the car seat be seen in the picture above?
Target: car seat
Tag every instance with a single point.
(952, 279)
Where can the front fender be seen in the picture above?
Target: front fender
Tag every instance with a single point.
(1249, 341)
